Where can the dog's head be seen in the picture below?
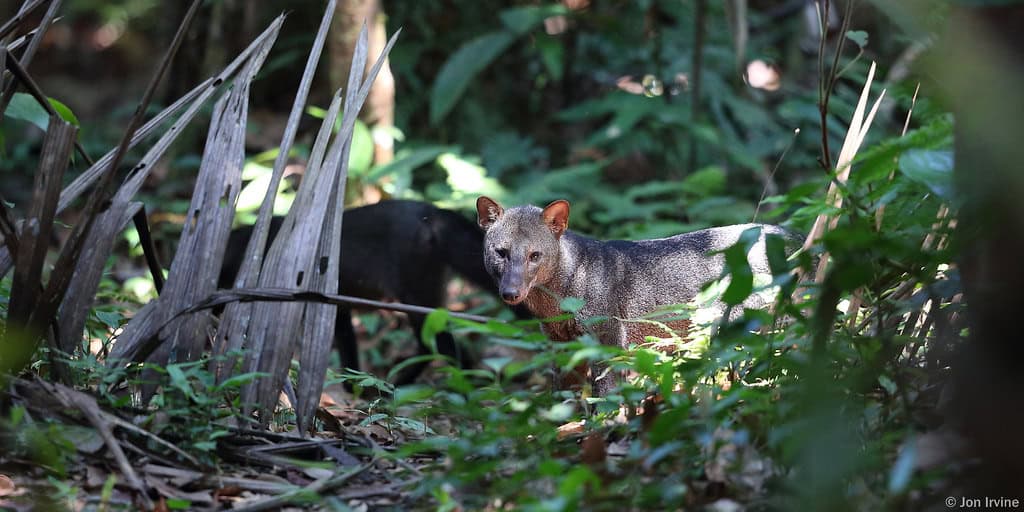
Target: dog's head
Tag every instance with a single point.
(521, 244)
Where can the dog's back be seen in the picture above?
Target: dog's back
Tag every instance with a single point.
(650, 273)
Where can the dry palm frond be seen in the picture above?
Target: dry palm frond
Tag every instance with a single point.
(37, 304)
(193, 272)
(305, 255)
(855, 134)
(235, 320)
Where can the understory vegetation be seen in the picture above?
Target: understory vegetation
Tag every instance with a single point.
(653, 118)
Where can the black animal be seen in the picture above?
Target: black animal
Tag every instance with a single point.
(394, 250)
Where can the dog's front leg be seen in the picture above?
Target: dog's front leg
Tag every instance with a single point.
(603, 379)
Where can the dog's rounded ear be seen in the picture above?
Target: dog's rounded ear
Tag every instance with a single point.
(556, 216)
(487, 211)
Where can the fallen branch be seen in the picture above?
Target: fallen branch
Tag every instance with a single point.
(316, 487)
(87, 404)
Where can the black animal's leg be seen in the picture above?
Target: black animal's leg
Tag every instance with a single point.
(446, 346)
(409, 373)
(345, 341)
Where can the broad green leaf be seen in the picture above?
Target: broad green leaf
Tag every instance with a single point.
(877, 161)
(932, 168)
(25, 107)
(461, 67)
(360, 157)
(408, 162)
(254, 171)
(521, 19)
(496, 363)
(109, 318)
(237, 381)
(468, 179)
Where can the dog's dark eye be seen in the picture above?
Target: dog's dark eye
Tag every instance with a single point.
(502, 253)
(535, 256)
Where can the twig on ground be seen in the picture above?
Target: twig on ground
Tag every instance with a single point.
(87, 404)
(324, 484)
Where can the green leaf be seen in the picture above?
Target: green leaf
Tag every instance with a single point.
(707, 182)
(179, 380)
(467, 179)
(108, 488)
(571, 304)
(461, 67)
(775, 249)
(521, 19)
(413, 393)
(109, 318)
(317, 112)
(408, 162)
(741, 282)
(178, 504)
(552, 54)
(576, 482)
(435, 322)
(63, 111)
(24, 107)
(205, 446)
(859, 37)
(558, 413)
(877, 161)
(237, 381)
(932, 168)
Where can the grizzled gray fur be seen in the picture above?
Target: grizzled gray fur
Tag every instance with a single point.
(536, 261)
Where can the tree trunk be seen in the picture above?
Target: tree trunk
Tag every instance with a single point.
(983, 69)
(379, 111)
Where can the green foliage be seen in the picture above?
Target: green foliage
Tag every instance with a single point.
(457, 73)
(754, 396)
(25, 107)
(199, 405)
(813, 405)
(931, 168)
(454, 77)
(44, 443)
